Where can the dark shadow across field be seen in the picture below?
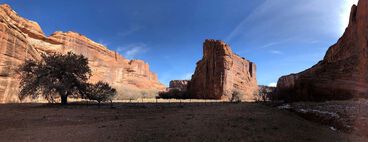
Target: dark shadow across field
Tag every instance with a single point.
(159, 122)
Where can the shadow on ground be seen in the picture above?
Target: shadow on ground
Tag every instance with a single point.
(160, 122)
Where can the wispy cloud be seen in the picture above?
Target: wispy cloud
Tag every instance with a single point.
(186, 76)
(274, 21)
(270, 44)
(241, 25)
(103, 42)
(131, 51)
(275, 52)
(276, 43)
(130, 31)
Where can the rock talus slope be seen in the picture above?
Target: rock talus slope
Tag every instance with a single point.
(220, 72)
(342, 74)
(22, 39)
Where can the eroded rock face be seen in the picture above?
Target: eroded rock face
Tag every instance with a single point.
(220, 72)
(182, 85)
(342, 73)
(21, 39)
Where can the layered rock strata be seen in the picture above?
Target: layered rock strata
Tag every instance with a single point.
(221, 72)
(22, 39)
(182, 85)
(342, 74)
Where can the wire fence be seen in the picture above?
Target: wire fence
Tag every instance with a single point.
(152, 100)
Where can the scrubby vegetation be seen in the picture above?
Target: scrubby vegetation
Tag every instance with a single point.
(266, 93)
(235, 97)
(174, 94)
(131, 93)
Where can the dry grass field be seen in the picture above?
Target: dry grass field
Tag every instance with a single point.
(205, 121)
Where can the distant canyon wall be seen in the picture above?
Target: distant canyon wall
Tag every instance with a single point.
(181, 85)
(22, 39)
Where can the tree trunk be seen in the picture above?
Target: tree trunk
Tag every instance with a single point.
(64, 99)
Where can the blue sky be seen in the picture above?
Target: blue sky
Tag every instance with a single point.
(280, 36)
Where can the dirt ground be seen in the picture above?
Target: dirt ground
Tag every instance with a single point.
(350, 116)
(161, 122)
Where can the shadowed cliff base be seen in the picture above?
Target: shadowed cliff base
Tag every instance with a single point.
(160, 122)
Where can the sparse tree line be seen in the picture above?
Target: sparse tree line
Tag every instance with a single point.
(62, 76)
(263, 94)
(235, 96)
(57, 76)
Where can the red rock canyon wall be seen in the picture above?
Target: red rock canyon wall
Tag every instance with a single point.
(22, 39)
(220, 72)
(342, 74)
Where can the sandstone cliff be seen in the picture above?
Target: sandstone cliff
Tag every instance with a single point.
(182, 85)
(21, 39)
(220, 72)
(342, 73)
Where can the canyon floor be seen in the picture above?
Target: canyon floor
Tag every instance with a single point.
(162, 122)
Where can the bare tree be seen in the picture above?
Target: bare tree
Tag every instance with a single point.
(235, 97)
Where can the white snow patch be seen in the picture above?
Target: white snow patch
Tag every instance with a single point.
(286, 106)
(333, 128)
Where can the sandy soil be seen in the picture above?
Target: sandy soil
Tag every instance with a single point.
(161, 122)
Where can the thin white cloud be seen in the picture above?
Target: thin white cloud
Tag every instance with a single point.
(275, 43)
(300, 18)
(241, 25)
(104, 43)
(131, 51)
(270, 44)
(275, 52)
(130, 31)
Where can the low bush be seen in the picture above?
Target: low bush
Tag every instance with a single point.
(174, 94)
(235, 97)
(100, 92)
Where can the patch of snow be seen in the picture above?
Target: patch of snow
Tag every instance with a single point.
(286, 106)
(333, 128)
(332, 114)
(303, 110)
